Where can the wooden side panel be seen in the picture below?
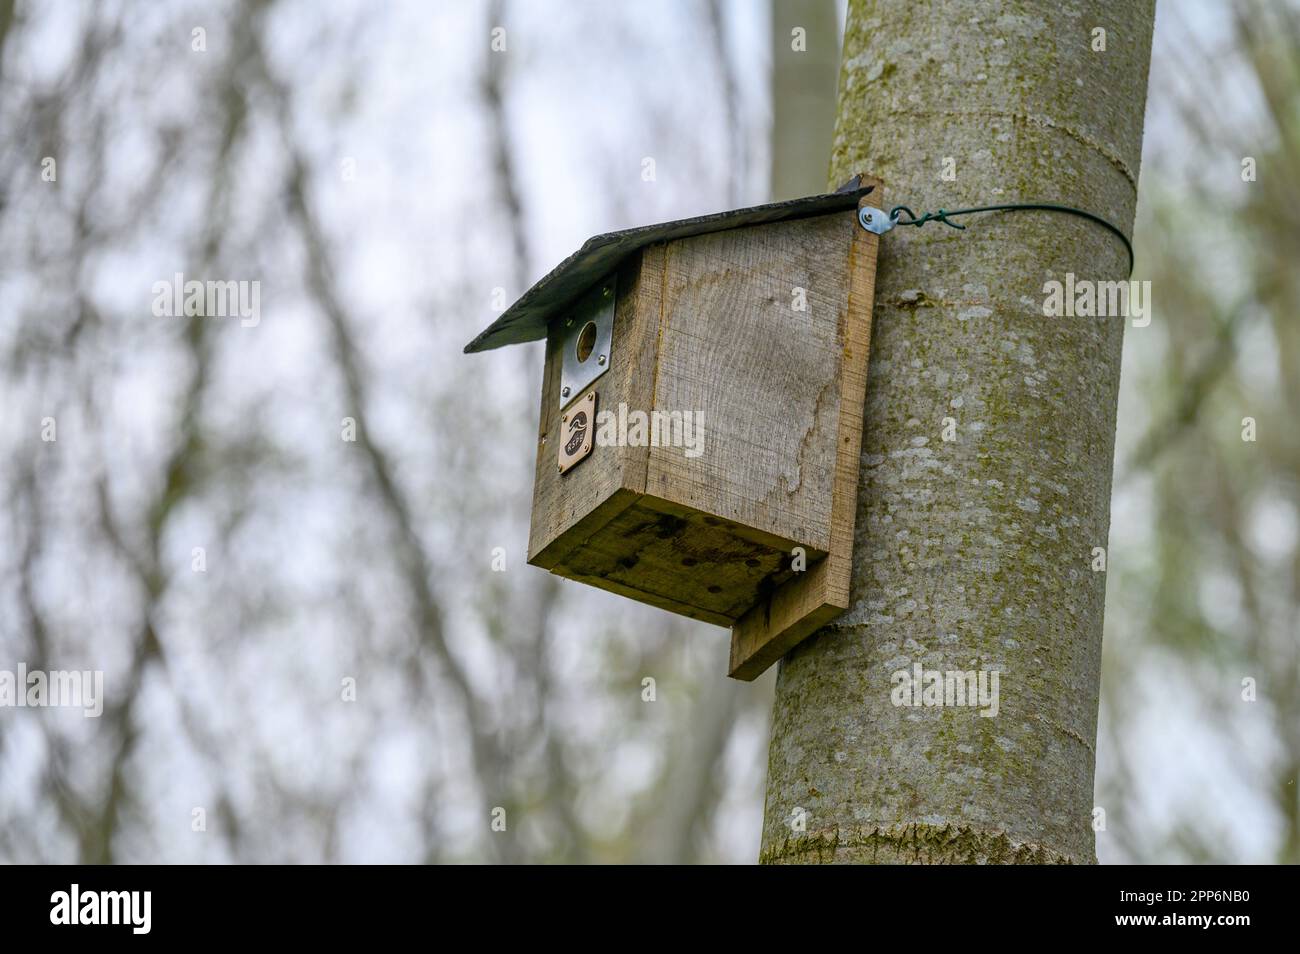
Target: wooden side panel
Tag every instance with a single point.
(568, 508)
(807, 602)
(763, 373)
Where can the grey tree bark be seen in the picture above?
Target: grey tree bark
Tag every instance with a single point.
(973, 553)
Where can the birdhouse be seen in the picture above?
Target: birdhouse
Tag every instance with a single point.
(701, 414)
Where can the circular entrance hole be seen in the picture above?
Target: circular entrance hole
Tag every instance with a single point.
(586, 342)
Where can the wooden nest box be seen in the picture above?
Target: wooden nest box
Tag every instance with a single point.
(701, 416)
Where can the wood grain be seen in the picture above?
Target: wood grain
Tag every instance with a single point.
(763, 374)
(588, 496)
(803, 605)
(708, 325)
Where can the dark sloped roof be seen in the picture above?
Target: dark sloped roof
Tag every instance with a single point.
(527, 318)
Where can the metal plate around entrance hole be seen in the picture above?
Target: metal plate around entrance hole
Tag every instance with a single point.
(588, 334)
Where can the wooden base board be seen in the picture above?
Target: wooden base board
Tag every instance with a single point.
(801, 606)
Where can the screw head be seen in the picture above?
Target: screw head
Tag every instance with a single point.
(600, 360)
(564, 419)
(564, 392)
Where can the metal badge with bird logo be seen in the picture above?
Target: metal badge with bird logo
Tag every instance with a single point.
(576, 427)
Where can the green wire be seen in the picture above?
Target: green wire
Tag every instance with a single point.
(943, 216)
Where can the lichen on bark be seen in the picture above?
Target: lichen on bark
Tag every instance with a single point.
(909, 844)
(973, 553)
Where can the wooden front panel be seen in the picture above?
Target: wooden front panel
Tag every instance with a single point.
(566, 508)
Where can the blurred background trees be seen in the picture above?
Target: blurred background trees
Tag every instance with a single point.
(1204, 588)
(391, 180)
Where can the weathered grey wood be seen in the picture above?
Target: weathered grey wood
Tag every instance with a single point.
(764, 375)
(803, 604)
(587, 497)
(708, 325)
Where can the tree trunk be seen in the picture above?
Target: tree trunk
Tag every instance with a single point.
(973, 553)
(805, 45)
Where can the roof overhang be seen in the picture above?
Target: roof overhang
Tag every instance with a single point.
(527, 318)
